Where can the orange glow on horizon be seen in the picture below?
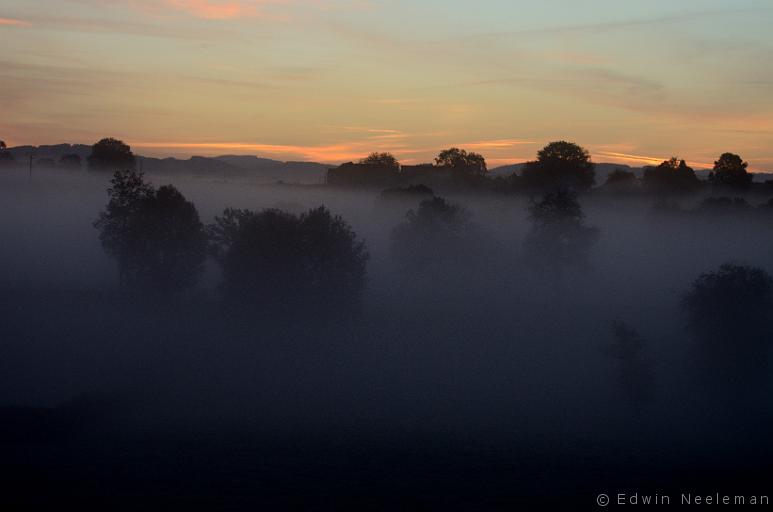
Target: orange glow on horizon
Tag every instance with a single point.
(647, 160)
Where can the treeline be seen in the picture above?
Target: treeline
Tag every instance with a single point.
(558, 165)
(268, 259)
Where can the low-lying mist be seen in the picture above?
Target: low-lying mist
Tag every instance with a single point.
(487, 345)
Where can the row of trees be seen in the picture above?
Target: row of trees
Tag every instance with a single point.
(160, 245)
(566, 165)
(558, 165)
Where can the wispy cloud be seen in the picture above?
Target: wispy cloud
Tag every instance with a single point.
(219, 10)
(321, 153)
(211, 9)
(496, 144)
(11, 22)
(623, 24)
(124, 26)
(641, 159)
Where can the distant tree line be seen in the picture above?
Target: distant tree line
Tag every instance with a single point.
(559, 165)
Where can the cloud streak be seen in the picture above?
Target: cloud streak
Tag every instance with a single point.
(208, 9)
(11, 22)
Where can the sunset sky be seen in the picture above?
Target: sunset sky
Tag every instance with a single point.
(331, 80)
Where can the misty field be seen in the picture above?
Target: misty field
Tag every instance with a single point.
(492, 376)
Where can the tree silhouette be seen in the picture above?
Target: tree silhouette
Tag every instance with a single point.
(673, 176)
(619, 177)
(437, 232)
(5, 156)
(730, 171)
(724, 205)
(381, 159)
(729, 311)
(112, 155)
(635, 369)
(460, 160)
(72, 162)
(277, 259)
(155, 235)
(412, 193)
(558, 236)
(560, 165)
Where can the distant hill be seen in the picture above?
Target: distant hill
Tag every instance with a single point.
(237, 166)
(55, 152)
(227, 166)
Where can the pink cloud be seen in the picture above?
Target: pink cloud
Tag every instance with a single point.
(212, 9)
(209, 9)
(10, 22)
(328, 153)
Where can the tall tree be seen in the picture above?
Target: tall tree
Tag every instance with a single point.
(559, 236)
(381, 159)
(730, 171)
(730, 312)
(635, 372)
(111, 155)
(560, 165)
(155, 235)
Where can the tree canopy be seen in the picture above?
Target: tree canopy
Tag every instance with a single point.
(560, 165)
(5, 155)
(155, 235)
(460, 160)
(435, 233)
(729, 312)
(111, 154)
(730, 171)
(70, 161)
(671, 176)
(619, 177)
(559, 236)
(276, 259)
(730, 301)
(381, 159)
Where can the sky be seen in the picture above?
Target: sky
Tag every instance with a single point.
(333, 80)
